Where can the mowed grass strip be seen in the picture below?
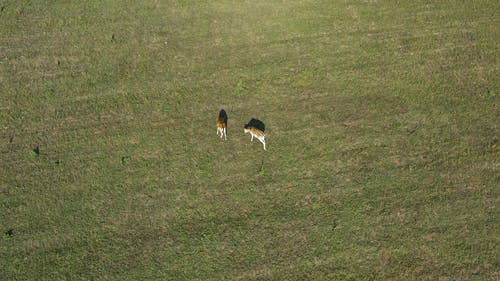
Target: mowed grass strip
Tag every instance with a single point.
(382, 130)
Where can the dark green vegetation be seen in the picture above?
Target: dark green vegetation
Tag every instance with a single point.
(382, 120)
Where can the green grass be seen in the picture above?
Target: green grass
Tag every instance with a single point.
(382, 123)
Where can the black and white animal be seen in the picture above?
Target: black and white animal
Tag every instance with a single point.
(256, 129)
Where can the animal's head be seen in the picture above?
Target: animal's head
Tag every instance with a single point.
(246, 128)
(223, 114)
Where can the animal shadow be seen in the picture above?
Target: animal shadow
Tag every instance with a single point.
(256, 123)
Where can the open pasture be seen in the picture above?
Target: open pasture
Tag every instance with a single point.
(382, 134)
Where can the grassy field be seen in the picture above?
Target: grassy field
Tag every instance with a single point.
(382, 122)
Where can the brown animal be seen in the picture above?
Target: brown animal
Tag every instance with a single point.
(222, 124)
(256, 129)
